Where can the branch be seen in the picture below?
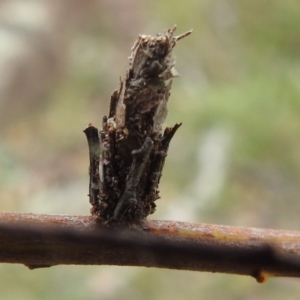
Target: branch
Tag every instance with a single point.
(48, 240)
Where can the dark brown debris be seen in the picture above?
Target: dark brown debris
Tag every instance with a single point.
(133, 146)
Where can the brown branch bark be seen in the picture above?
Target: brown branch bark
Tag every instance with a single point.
(48, 240)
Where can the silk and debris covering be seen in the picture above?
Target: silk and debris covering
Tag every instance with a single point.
(125, 171)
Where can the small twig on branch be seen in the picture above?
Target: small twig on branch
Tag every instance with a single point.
(91, 133)
(45, 240)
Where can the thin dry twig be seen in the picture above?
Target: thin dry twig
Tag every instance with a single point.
(48, 240)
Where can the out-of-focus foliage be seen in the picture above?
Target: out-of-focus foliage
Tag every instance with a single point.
(236, 158)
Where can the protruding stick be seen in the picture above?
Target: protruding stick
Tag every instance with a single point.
(91, 133)
(45, 240)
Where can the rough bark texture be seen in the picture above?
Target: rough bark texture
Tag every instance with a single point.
(133, 145)
(45, 240)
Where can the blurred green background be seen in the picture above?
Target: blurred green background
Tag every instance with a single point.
(235, 160)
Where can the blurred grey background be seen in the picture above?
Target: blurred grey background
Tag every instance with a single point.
(235, 160)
